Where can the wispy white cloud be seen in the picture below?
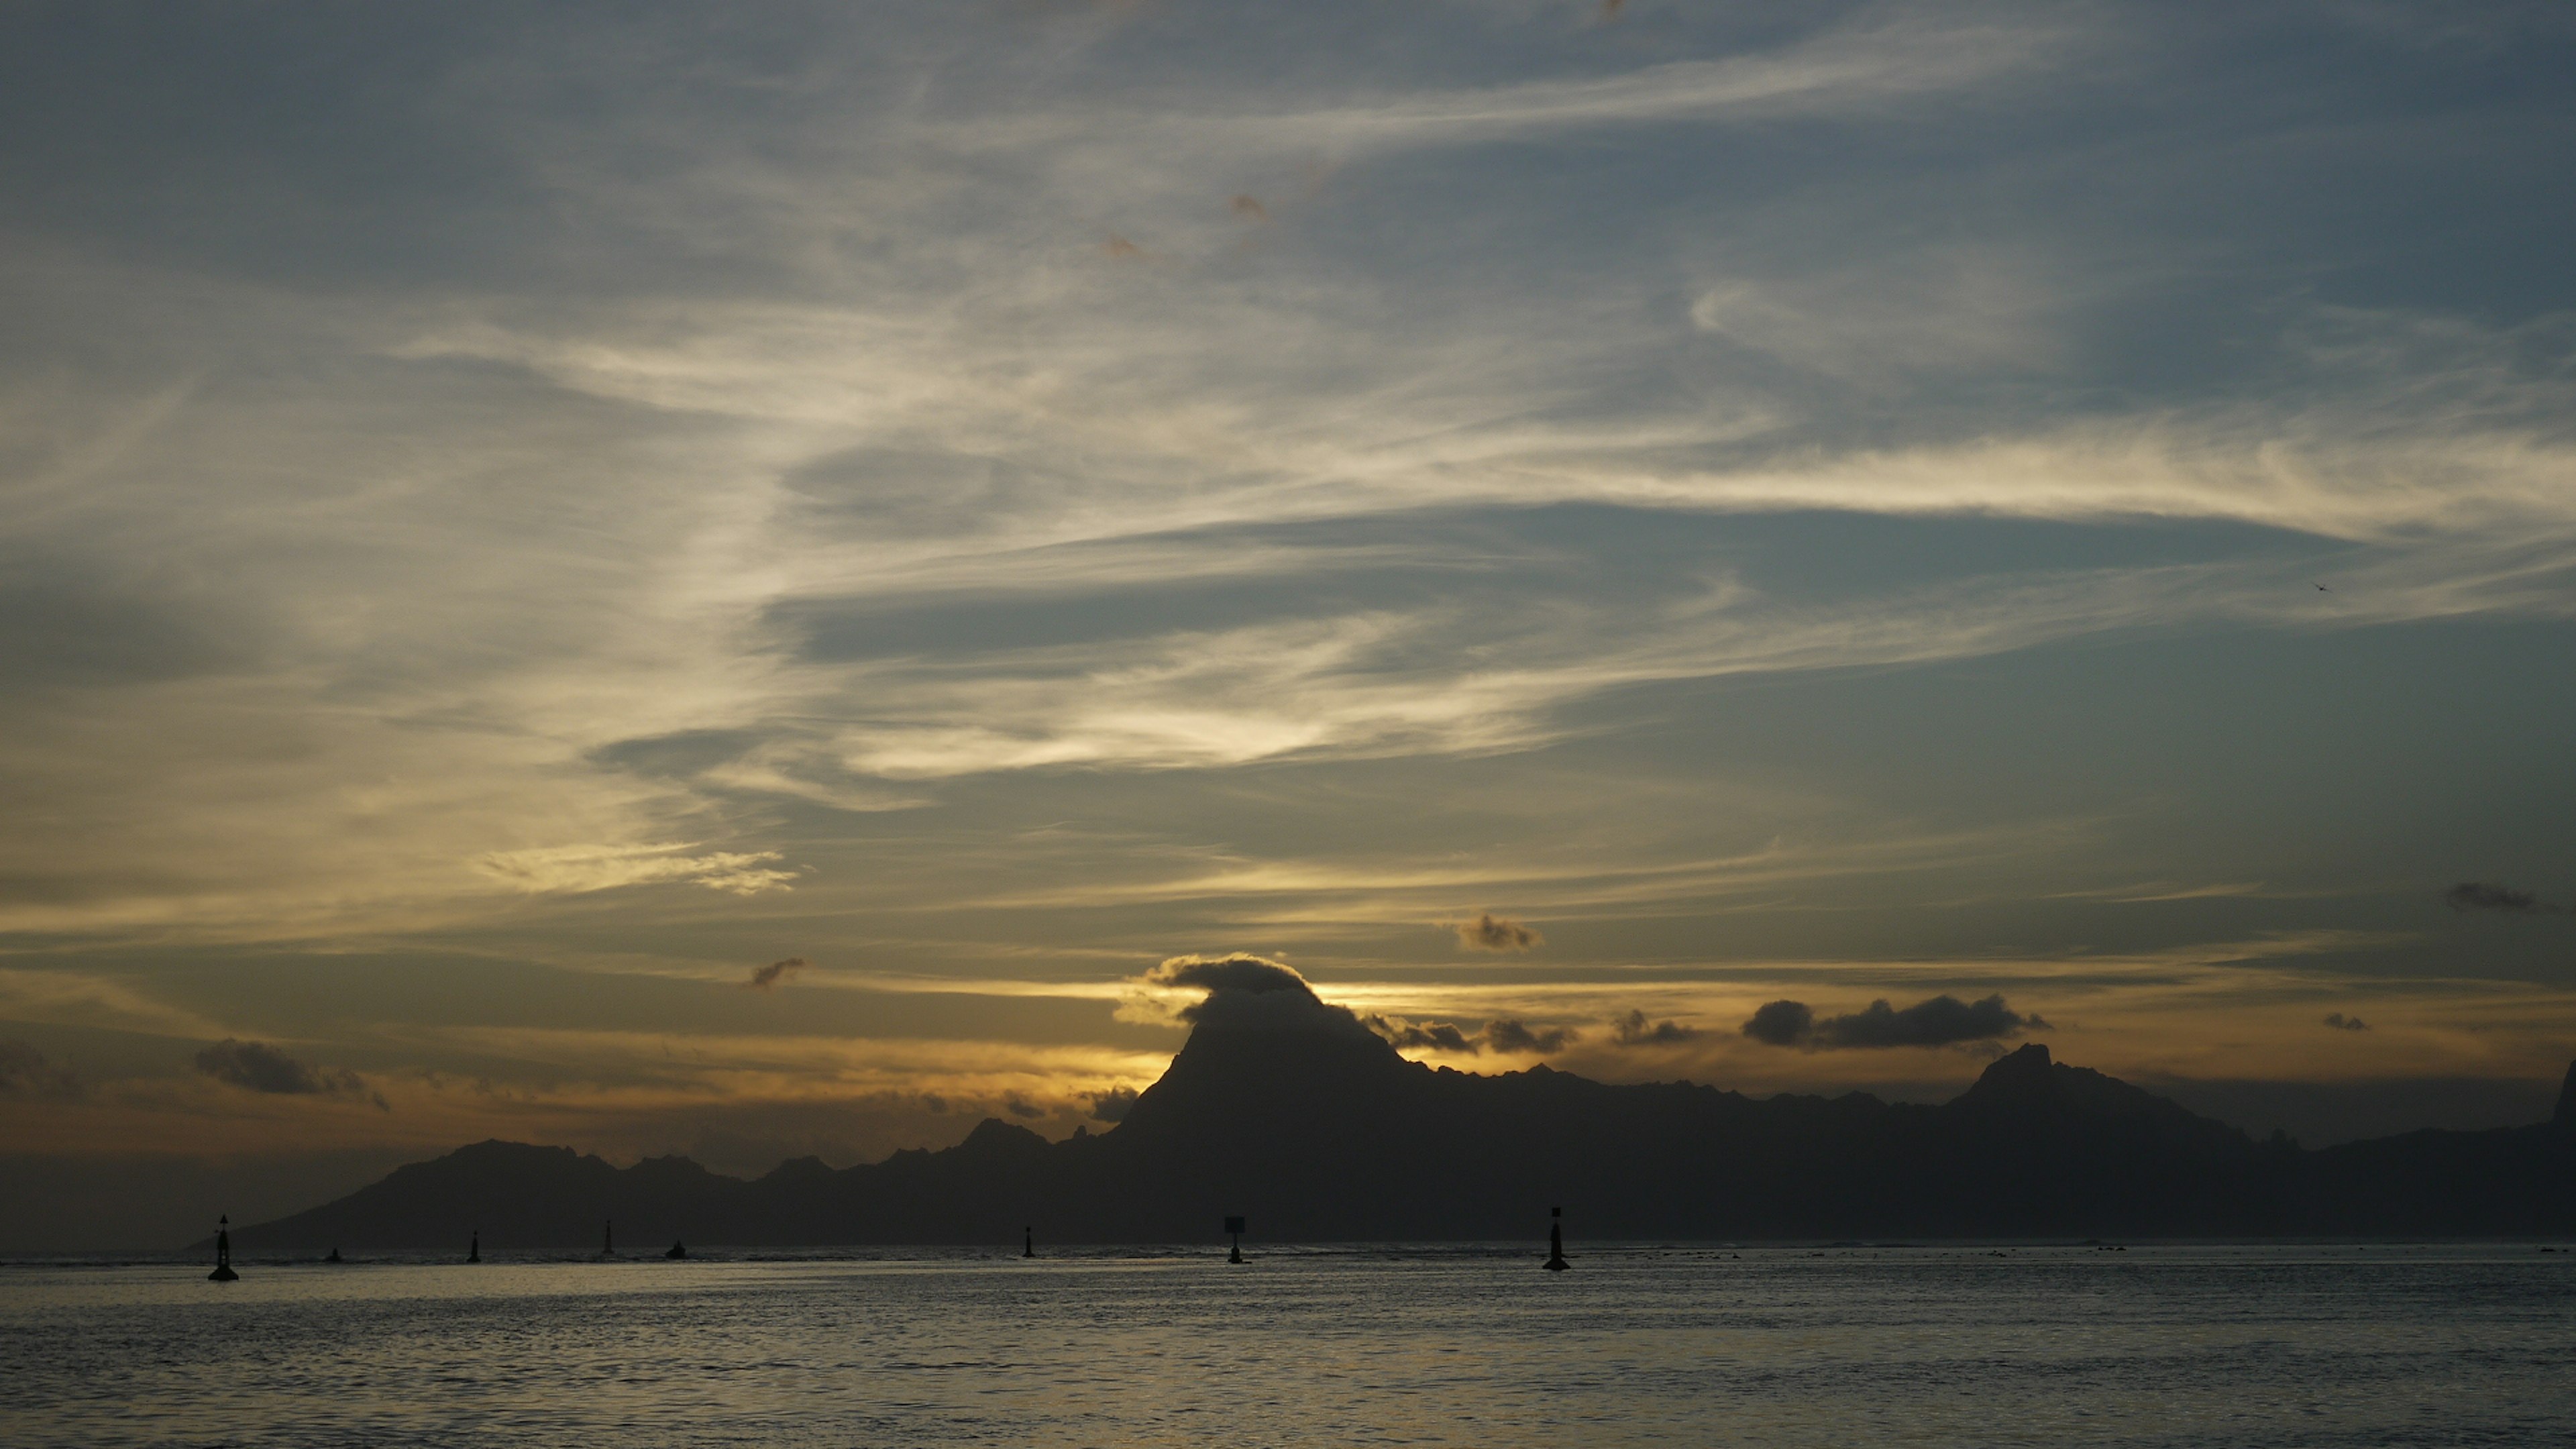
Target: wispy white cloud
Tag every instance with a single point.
(1451, 681)
(1853, 70)
(80, 998)
(579, 868)
(658, 359)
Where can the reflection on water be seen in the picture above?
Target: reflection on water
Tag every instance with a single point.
(2257, 1346)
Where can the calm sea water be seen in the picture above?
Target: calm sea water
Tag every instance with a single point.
(2266, 1346)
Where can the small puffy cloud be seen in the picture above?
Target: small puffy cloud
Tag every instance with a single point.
(256, 1066)
(2478, 895)
(774, 974)
(1495, 933)
(1250, 208)
(1935, 1022)
(1633, 1030)
(1781, 1023)
(1438, 1036)
(1503, 1035)
(1112, 1105)
(1942, 1020)
(2341, 1022)
(577, 869)
(27, 1072)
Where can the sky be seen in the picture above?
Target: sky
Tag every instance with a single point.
(740, 582)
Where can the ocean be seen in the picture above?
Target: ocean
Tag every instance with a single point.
(2380, 1344)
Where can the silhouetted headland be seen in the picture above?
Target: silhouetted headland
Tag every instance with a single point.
(1289, 1108)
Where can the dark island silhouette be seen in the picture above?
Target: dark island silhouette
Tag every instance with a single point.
(1290, 1110)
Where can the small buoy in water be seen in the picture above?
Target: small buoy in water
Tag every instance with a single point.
(1555, 1242)
(474, 1247)
(1028, 1242)
(223, 1253)
(334, 1258)
(678, 1250)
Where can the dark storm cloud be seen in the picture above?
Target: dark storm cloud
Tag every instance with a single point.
(1022, 1107)
(2478, 895)
(258, 1067)
(1496, 933)
(27, 1072)
(1634, 1030)
(1112, 1105)
(1942, 1020)
(774, 974)
(2341, 1022)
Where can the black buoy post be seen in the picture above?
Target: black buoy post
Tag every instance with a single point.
(608, 1237)
(334, 1258)
(1029, 1242)
(1556, 1241)
(474, 1246)
(679, 1249)
(223, 1252)
(1234, 1230)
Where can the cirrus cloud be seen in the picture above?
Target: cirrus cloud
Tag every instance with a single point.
(578, 869)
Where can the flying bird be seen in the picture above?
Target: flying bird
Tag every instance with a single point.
(2322, 589)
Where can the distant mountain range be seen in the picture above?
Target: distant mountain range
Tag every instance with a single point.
(1289, 1111)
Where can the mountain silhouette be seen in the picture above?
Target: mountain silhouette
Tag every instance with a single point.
(1294, 1113)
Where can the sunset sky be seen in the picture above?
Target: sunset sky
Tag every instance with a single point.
(729, 580)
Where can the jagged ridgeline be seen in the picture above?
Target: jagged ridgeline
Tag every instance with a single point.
(1286, 1109)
